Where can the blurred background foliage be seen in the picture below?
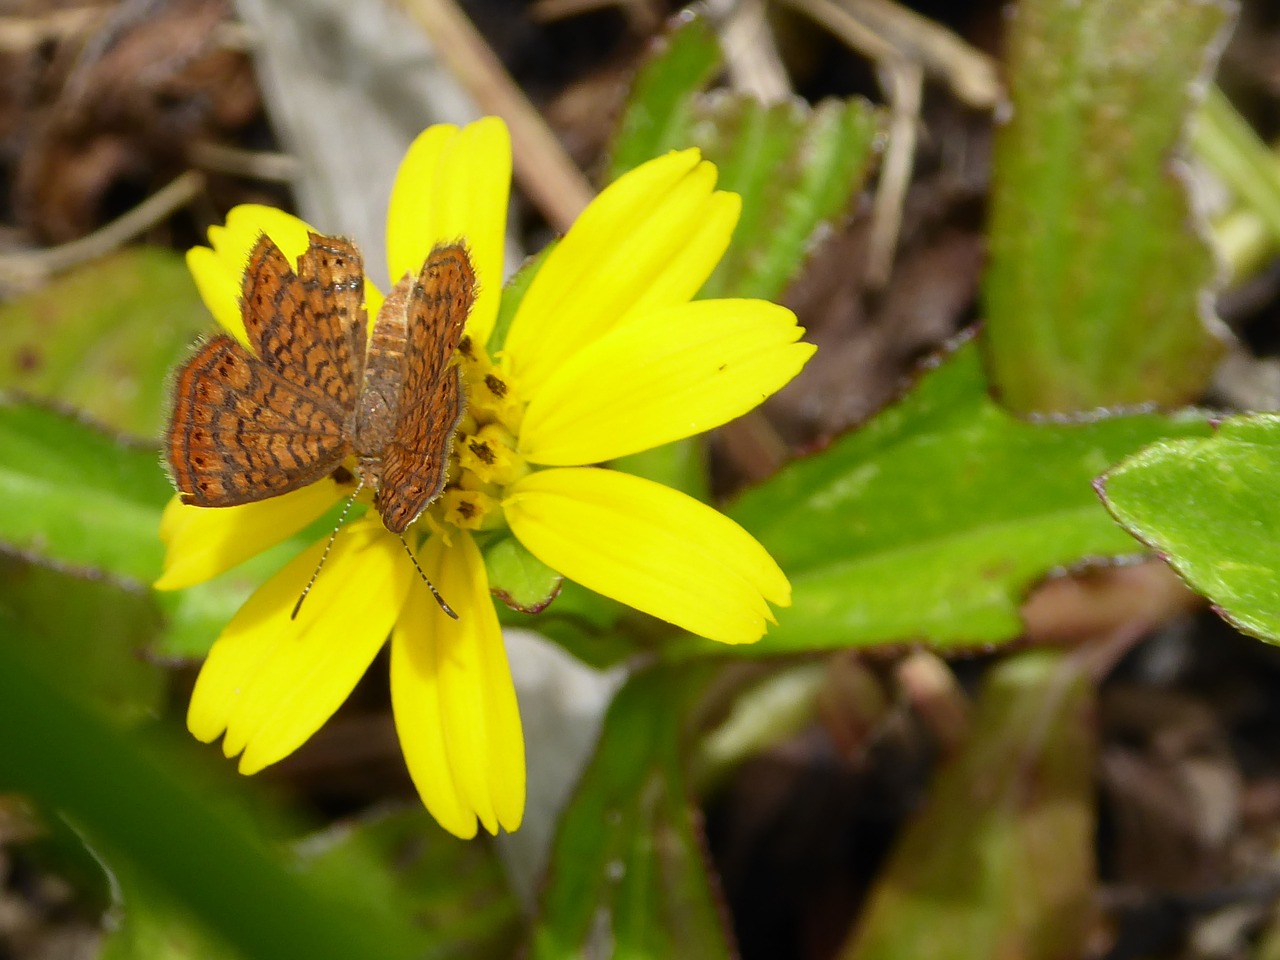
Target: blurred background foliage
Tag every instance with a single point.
(1036, 245)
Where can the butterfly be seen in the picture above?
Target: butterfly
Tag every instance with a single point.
(314, 388)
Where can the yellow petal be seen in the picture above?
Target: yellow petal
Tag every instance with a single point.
(650, 240)
(649, 547)
(454, 701)
(453, 184)
(271, 681)
(202, 542)
(662, 377)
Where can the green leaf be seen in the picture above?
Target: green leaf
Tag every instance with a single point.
(513, 295)
(149, 926)
(796, 168)
(177, 829)
(401, 864)
(78, 495)
(999, 862)
(103, 337)
(1212, 507)
(931, 521)
(87, 633)
(1097, 292)
(90, 500)
(657, 118)
(627, 877)
(518, 578)
(398, 867)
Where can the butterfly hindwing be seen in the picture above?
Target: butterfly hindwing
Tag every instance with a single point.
(241, 432)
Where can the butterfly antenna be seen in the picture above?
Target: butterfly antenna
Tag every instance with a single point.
(430, 586)
(327, 547)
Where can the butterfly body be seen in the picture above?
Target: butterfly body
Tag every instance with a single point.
(248, 424)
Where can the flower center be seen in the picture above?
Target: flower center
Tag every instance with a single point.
(483, 459)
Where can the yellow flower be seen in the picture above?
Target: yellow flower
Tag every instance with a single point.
(606, 356)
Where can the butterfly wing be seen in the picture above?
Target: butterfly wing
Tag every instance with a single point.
(251, 425)
(309, 327)
(241, 432)
(417, 455)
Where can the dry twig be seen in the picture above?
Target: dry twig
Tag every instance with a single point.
(22, 271)
(905, 80)
(971, 74)
(643, 16)
(255, 164)
(751, 57)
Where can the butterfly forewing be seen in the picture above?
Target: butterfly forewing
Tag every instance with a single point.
(416, 456)
(308, 326)
(332, 270)
(246, 427)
